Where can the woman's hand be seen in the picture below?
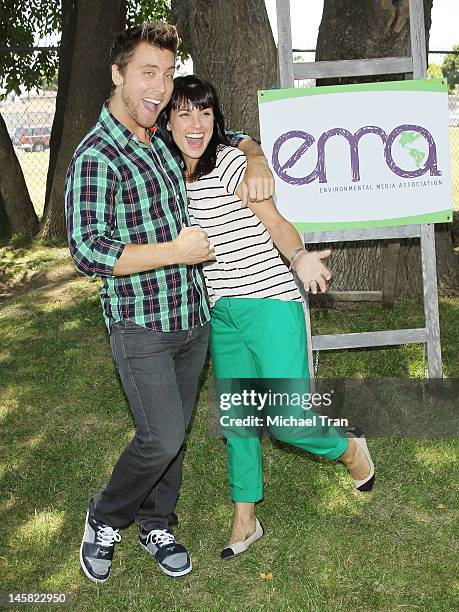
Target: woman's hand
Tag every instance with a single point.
(311, 271)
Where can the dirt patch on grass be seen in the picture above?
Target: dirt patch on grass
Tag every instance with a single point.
(54, 281)
(48, 271)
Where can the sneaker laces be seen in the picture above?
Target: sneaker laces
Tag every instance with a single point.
(160, 537)
(107, 536)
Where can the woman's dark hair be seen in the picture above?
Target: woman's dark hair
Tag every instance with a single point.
(200, 94)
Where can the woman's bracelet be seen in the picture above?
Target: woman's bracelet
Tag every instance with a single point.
(294, 257)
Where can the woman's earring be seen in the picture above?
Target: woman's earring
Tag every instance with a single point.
(168, 126)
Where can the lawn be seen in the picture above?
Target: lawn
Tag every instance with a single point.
(65, 420)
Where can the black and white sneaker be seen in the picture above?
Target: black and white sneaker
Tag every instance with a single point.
(173, 558)
(96, 550)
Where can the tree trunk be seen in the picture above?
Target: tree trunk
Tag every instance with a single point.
(365, 29)
(5, 227)
(369, 29)
(17, 205)
(68, 25)
(89, 87)
(232, 46)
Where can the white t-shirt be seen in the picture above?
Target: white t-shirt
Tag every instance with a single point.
(248, 264)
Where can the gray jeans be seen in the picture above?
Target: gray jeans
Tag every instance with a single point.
(160, 373)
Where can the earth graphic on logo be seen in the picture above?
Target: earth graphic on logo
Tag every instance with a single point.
(405, 140)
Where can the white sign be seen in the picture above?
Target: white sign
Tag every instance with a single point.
(375, 154)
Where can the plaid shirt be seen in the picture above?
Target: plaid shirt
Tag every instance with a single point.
(120, 191)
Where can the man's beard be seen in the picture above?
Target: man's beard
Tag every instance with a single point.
(132, 108)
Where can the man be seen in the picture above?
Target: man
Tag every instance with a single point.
(128, 223)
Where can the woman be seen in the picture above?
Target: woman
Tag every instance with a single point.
(257, 326)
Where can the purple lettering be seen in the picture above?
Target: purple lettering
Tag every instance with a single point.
(353, 140)
(431, 162)
(308, 140)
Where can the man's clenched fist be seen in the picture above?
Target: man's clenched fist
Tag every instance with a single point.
(193, 246)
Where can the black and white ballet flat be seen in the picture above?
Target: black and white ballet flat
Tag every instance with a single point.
(367, 483)
(239, 547)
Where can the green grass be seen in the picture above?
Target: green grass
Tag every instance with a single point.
(63, 414)
(407, 361)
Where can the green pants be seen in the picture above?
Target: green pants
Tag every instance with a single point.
(264, 338)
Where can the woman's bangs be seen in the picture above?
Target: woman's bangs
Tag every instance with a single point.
(188, 96)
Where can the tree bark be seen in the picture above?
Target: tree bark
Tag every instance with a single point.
(89, 87)
(17, 205)
(232, 46)
(5, 227)
(68, 25)
(368, 29)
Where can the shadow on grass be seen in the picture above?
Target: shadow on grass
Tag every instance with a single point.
(26, 269)
(64, 421)
(63, 414)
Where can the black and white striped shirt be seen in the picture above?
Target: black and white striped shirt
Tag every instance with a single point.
(248, 264)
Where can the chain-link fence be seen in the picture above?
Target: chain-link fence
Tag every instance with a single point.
(29, 118)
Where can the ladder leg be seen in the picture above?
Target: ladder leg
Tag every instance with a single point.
(429, 278)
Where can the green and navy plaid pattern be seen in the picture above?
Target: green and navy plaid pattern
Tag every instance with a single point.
(119, 191)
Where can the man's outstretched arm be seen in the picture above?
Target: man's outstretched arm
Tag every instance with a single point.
(190, 247)
(90, 199)
(258, 182)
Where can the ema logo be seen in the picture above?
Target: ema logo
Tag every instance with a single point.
(425, 162)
